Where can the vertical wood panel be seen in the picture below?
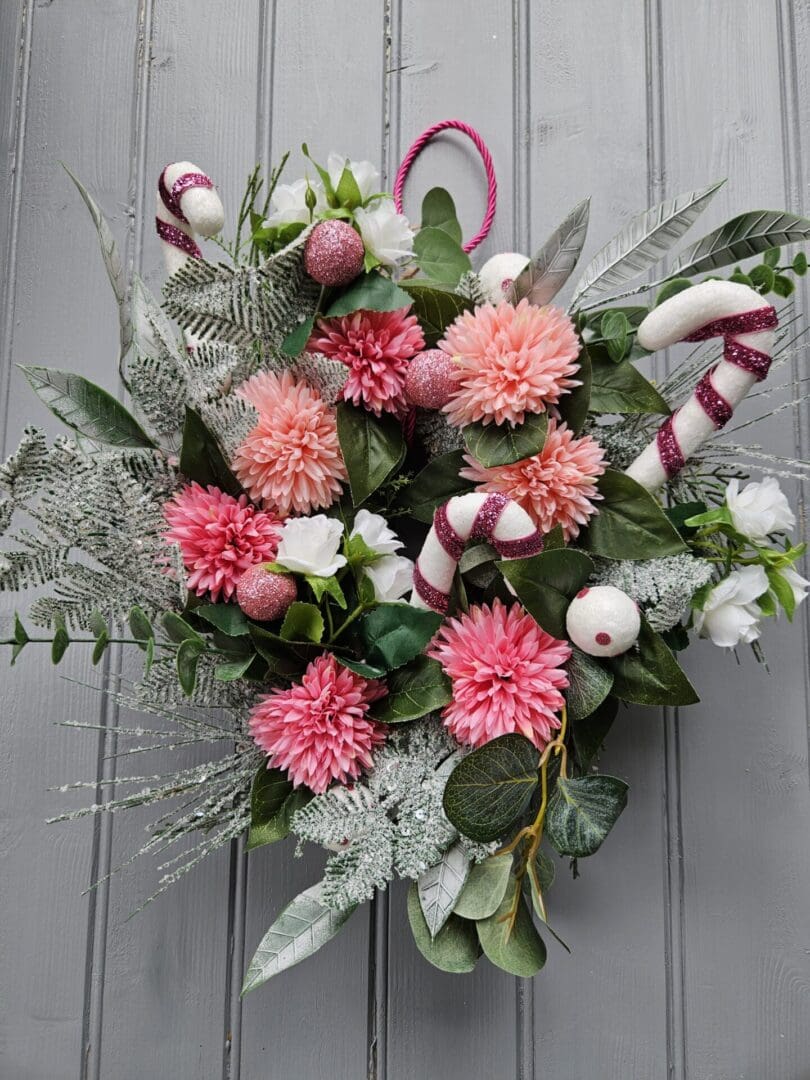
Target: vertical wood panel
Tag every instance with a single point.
(312, 1020)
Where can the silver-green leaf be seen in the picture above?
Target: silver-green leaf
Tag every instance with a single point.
(644, 241)
(554, 263)
(301, 929)
(743, 236)
(440, 886)
(582, 811)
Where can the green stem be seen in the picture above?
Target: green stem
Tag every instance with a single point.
(358, 611)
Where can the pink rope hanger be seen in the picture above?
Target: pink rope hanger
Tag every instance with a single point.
(486, 157)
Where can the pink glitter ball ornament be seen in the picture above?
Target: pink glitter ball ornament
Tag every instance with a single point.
(264, 595)
(334, 253)
(431, 379)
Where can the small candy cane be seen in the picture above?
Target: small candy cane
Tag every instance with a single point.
(490, 518)
(187, 203)
(726, 309)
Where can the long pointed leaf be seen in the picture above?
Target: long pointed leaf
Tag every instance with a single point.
(644, 241)
(743, 236)
(440, 887)
(555, 261)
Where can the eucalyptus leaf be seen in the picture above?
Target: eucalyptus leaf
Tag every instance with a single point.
(589, 732)
(60, 642)
(546, 583)
(581, 813)
(435, 308)
(179, 630)
(490, 788)
(649, 674)
(644, 241)
(372, 448)
(630, 523)
(303, 927)
(439, 256)
(371, 292)
(201, 457)
(554, 263)
(439, 212)
(494, 445)
(746, 235)
(140, 626)
(439, 887)
(396, 633)
(589, 683)
(518, 949)
(188, 655)
(86, 408)
(485, 888)
(453, 949)
(413, 691)
(435, 484)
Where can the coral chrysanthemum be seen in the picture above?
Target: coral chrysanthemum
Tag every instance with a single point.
(291, 460)
(510, 361)
(219, 537)
(556, 486)
(318, 730)
(506, 673)
(375, 346)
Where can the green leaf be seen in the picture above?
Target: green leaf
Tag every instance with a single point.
(149, 658)
(546, 583)
(799, 264)
(589, 684)
(783, 286)
(372, 448)
(453, 949)
(435, 308)
(100, 647)
(372, 292)
(322, 585)
(629, 523)
(554, 263)
(140, 626)
(396, 633)
(278, 825)
(649, 674)
(782, 591)
(295, 342)
(413, 691)
(270, 790)
(275, 652)
(771, 257)
(97, 623)
(521, 952)
(303, 622)
(501, 444)
(201, 458)
(615, 329)
(620, 388)
(672, 288)
(86, 408)
(188, 655)
(302, 928)
(61, 641)
(326, 179)
(368, 671)
(680, 513)
(589, 732)
(439, 256)
(435, 484)
(763, 278)
(228, 618)
(490, 788)
(746, 235)
(21, 638)
(347, 192)
(179, 630)
(581, 813)
(574, 406)
(439, 212)
(439, 886)
(485, 888)
(230, 670)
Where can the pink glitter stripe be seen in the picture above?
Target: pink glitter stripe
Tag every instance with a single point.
(751, 360)
(746, 322)
(177, 238)
(713, 404)
(669, 451)
(171, 199)
(434, 599)
(487, 517)
(523, 548)
(447, 536)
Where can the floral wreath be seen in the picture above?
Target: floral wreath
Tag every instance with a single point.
(347, 388)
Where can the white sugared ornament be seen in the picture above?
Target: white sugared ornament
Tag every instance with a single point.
(603, 621)
(498, 273)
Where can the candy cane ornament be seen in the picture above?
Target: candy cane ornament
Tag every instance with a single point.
(726, 309)
(187, 204)
(493, 519)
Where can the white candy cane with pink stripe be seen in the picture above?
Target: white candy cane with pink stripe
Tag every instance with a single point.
(746, 322)
(493, 519)
(187, 203)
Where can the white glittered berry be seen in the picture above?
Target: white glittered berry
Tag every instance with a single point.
(498, 273)
(603, 621)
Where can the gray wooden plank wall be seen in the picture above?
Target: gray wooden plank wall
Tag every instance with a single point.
(691, 930)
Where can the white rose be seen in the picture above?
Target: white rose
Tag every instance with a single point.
(374, 531)
(366, 176)
(797, 583)
(288, 203)
(498, 273)
(386, 234)
(759, 509)
(310, 545)
(730, 614)
(391, 576)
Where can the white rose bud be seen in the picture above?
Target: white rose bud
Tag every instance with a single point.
(730, 615)
(391, 576)
(374, 530)
(386, 234)
(759, 509)
(310, 545)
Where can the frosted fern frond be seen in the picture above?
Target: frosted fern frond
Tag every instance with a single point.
(160, 391)
(392, 821)
(470, 287)
(243, 304)
(663, 588)
(436, 435)
(323, 374)
(27, 468)
(231, 419)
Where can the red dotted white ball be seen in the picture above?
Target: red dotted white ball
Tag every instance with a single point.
(603, 621)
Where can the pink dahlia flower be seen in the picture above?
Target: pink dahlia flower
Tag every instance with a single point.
(318, 729)
(506, 673)
(291, 460)
(556, 486)
(510, 361)
(219, 537)
(375, 346)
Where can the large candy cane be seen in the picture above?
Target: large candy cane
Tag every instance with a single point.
(187, 203)
(745, 321)
(490, 518)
